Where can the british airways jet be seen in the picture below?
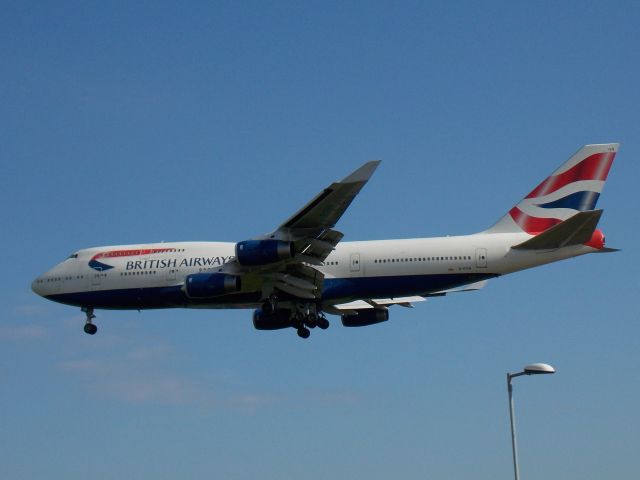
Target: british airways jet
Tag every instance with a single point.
(301, 271)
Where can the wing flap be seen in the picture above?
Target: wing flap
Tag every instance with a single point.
(300, 281)
(378, 302)
(317, 249)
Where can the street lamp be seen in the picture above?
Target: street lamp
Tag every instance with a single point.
(533, 369)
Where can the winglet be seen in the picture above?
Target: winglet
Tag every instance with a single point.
(363, 173)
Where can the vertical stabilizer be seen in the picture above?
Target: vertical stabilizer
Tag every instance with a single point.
(572, 188)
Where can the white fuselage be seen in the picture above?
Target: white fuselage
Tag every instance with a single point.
(150, 275)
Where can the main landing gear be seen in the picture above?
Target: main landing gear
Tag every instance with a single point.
(304, 332)
(312, 321)
(303, 316)
(306, 317)
(89, 327)
(270, 305)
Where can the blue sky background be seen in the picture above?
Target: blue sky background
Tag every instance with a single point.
(147, 121)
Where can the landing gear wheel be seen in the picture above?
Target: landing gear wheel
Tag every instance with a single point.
(90, 328)
(311, 320)
(323, 323)
(304, 332)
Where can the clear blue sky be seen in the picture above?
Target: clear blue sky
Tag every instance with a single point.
(148, 121)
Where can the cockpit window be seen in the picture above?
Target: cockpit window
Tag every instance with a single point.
(73, 255)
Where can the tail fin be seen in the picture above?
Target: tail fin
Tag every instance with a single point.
(572, 188)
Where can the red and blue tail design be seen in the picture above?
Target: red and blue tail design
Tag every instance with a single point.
(572, 188)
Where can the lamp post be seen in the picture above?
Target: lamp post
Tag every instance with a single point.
(533, 369)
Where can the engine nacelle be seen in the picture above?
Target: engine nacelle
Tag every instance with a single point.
(272, 321)
(365, 317)
(263, 252)
(206, 285)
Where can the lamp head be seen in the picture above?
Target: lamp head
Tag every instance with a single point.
(538, 369)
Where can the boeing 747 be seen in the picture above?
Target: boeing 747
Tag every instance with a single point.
(295, 275)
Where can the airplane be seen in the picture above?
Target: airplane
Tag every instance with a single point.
(295, 275)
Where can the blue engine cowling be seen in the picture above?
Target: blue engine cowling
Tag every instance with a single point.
(272, 321)
(368, 316)
(206, 285)
(263, 252)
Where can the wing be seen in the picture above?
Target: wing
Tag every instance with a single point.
(351, 307)
(324, 211)
(310, 238)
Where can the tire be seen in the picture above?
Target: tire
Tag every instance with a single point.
(90, 328)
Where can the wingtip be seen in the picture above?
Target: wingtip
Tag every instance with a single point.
(604, 147)
(363, 173)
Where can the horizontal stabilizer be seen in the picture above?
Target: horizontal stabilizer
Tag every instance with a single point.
(573, 231)
(608, 250)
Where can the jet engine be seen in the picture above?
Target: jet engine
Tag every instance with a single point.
(263, 252)
(272, 321)
(365, 317)
(206, 285)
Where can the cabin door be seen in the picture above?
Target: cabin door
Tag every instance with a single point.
(354, 263)
(481, 257)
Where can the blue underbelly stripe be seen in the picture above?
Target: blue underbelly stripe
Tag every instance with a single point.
(400, 286)
(334, 288)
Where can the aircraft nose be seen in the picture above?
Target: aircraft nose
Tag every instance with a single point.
(36, 286)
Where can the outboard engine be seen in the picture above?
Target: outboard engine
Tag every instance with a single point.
(263, 252)
(365, 317)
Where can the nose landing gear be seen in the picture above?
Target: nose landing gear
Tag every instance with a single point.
(89, 327)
